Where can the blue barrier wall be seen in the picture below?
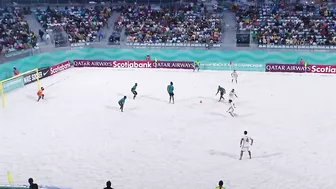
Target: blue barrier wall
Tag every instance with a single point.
(210, 59)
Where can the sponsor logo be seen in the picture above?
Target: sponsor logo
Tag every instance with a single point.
(60, 67)
(133, 64)
(46, 73)
(236, 65)
(296, 68)
(32, 77)
(327, 69)
(174, 64)
(12, 84)
(114, 63)
(162, 64)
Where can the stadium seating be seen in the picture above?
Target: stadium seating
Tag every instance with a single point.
(302, 27)
(80, 24)
(15, 36)
(160, 25)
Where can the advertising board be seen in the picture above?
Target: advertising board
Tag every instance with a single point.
(60, 67)
(240, 66)
(32, 77)
(323, 69)
(294, 68)
(12, 84)
(114, 63)
(174, 64)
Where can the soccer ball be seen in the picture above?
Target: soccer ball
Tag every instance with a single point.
(201, 101)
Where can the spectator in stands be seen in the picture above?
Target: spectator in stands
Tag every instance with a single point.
(246, 17)
(32, 185)
(81, 24)
(14, 31)
(47, 38)
(41, 33)
(291, 25)
(100, 35)
(108, 185)
(114, 38)
(15, 71)
(170, 24)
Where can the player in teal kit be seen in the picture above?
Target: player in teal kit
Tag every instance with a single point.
(170, 90)
(134, 90)
(121, 103)
(222, 92)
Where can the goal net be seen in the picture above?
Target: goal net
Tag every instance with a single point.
(16, 82)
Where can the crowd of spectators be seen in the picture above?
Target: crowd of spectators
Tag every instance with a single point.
(15, 34)
(80, 23)
(308, 25)
(168, 24)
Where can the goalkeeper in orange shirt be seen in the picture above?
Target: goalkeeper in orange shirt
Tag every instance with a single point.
(40, 94)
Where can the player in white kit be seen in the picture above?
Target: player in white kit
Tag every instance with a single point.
(234, 76)
(245, 144)
(232, 108)
(232, 95)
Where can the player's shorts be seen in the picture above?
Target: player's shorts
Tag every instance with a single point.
(134, 92)
(171, 94)
(245, 149)
(221, 93)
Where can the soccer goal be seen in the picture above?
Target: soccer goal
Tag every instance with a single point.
(16, 82)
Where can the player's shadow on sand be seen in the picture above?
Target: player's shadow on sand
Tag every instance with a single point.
(35, 97)
(266, 155)
(217, 114)
(244, 115)
(118, 108)
(225, 114)
(146, 97)
(161, 100)
(113, 108)
(218, 153)
(215, 99)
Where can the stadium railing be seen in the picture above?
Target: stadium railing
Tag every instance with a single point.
(29, 52)
(298, 47)
(13, 55)
(167, 45)
(80, 45)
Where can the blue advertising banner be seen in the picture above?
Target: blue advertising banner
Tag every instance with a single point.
(12, 84)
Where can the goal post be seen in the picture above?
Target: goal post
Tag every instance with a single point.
(16, 82)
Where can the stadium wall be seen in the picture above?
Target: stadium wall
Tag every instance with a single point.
(210, 59)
